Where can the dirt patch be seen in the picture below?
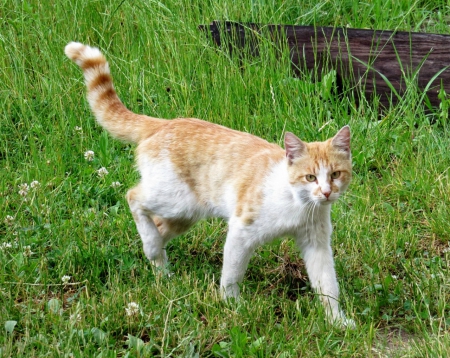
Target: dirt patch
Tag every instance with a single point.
(394, 342)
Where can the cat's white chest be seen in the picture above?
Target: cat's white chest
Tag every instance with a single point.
(283, 213)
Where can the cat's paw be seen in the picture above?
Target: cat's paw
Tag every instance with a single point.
(157, 256)
(343, 322)
(162, 271)
(230, 291)
(348, 323)
(337, 318)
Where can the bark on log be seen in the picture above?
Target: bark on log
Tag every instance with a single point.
(373, 60)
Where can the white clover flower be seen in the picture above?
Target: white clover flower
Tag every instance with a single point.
(45, 209)
(76, 317)
(115, 184)
(89, 155)
(9, 219)
(65, 279)
(132, 309)
(27, 251)
(5, 245)
(35, 184)
(102, 172)
(24, 189)
(78, 129)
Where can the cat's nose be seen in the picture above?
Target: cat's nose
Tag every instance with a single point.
(326, 193)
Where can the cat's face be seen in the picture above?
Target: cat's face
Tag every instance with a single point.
(319, 172)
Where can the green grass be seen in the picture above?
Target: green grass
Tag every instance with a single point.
(391, 229)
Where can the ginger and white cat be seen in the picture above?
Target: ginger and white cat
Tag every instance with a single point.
(192, 169)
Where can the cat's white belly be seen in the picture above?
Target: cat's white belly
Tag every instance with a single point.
(165, 193)
(168, 196)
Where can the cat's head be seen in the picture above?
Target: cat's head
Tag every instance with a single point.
(319, 171)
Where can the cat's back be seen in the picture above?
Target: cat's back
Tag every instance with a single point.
(196, 141)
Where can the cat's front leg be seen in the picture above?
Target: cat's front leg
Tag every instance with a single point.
(239, 248)
(318, 258)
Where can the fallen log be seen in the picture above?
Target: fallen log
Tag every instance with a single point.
(378, 63)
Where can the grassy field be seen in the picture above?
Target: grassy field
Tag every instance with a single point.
(74, 281)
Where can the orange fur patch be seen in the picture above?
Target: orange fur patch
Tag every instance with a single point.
(208, 157)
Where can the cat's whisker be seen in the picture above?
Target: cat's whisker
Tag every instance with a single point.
(311, 206)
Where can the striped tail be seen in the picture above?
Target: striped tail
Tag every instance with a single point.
(106, 105)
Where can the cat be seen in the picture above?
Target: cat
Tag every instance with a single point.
(192, 169)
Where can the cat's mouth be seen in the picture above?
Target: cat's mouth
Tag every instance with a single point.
(318, 199)
(323, 200)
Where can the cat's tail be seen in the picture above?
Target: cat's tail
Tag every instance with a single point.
(106, 105)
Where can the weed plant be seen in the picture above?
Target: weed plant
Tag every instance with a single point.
(74, 281)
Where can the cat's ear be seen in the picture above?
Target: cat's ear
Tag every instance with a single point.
(341, 140)
(294, 147)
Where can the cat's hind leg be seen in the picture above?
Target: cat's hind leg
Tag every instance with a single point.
(170, 228)
(152, 240)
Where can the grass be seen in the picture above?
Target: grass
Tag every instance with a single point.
(391, 235)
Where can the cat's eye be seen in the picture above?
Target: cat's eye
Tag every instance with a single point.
(335, 175)
(310, 177)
